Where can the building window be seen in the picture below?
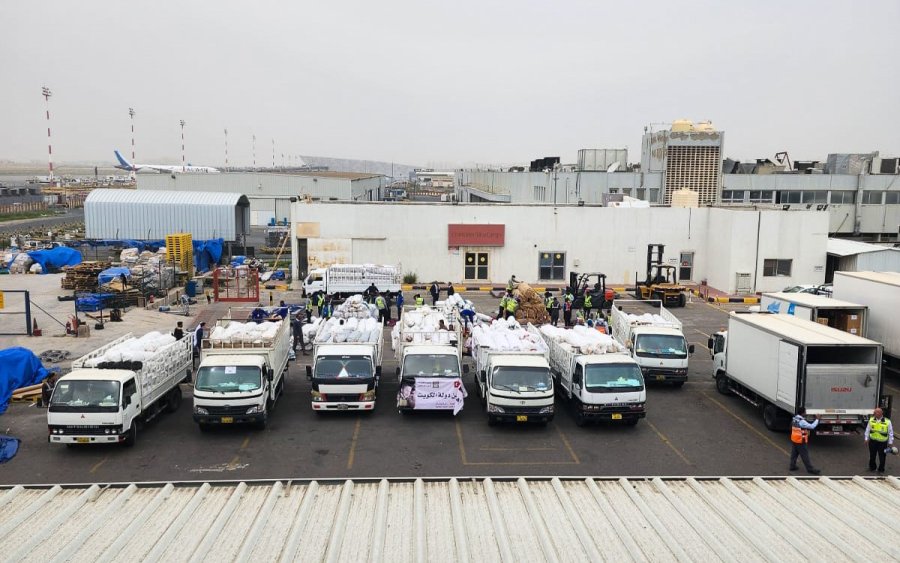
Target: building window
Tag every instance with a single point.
(654, 195)
(815, 197)
(775, 267)
(871, 198)
(552, 265)
(761, 196)
(790, 196)
(892, 198)
(641, 192)
(843, 197)
(732, 196)
(476, 265)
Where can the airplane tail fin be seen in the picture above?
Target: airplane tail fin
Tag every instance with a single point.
(124, 163)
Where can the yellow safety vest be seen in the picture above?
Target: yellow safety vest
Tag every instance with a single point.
(321, 300)
(549, 302)
(420, 301)
(588, 302)
(799, 435)
(379, 302)
(878, 431)
(309, 304)
(511, 305)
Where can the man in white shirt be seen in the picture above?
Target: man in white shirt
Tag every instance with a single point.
(879, 436)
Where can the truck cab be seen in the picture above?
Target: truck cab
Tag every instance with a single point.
(344, 377)
(604, 387)
(430, 378)
(717, 344)
(662, 353)
(315, 281)
(91, 406)
(515, 386)
(235, 389)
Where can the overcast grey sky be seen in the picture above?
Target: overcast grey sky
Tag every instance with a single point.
(451, 82)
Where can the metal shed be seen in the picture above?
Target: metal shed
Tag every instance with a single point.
(147, 214)
(671, 519)
(854, 256)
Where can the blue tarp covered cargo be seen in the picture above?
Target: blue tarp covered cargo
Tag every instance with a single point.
(110, 274)
(19, 367)
(55, 258)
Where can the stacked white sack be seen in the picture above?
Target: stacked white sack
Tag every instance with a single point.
(310, 329)
(237, 332)
(507, 336)
(352, 330)
(646, 319)
(420, 326)
(134, 349)
(355, 308)
(582, 339)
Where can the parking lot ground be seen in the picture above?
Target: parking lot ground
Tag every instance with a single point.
(688, 431)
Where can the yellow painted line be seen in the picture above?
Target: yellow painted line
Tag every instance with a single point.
(517, 449)
(97, 465)
(703, 333)
(485, 289)
(667, 442)
(751, 300)
(568, 445)
(246, 443)
(747, 424)
(522, 463)
(233, 463)
(462, 447)
(353, 443)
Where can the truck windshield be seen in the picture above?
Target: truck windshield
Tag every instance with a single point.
(228, 379)
(600, 378)
(85, 396)
(342, 367)
(660, 346)
(511, 378)
(431, 365)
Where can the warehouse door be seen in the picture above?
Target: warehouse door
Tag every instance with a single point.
(302, 257)
(477, 265)
(687, 266)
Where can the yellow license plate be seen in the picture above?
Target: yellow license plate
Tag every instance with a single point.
(660, 377)
(83, 440)
(616, 416)
(521, 418)
(227, 419)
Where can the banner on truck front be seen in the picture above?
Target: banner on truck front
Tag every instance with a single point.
(432, 393)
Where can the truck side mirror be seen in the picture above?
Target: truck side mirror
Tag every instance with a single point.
(378, 371)
(483, 375)
(465, 368)
(309, 372)
(397, 371)
(691, 349)
(710, 342)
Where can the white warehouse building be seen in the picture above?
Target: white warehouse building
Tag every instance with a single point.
(269, 193)
(736, 250)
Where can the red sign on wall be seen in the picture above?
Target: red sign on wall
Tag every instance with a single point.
(476, 235)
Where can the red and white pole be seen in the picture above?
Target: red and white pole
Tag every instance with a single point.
(183, 167)
(133, 160)
(226, 148)
(254, 152)
(273, 154)
(47, 93)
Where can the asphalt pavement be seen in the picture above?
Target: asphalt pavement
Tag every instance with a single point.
(691, 431)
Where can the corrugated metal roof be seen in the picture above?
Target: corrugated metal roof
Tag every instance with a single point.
(889, 278)
(687, 519)
(142, 197)
(802, 330)
(812, 300)
(843, 247)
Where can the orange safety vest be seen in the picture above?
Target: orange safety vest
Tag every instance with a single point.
(799, 435)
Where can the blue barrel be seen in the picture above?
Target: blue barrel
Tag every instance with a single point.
(191, 288)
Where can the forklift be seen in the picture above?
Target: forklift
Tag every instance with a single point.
(662, 280)
(601, 298)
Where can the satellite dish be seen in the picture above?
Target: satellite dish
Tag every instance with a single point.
(613, 167)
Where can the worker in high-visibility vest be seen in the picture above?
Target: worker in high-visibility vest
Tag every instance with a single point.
(381, 305)
(420, 301)
(501, 313)
(320, 302)
(800, 428)
(309, 309)
(879, 437)
(548, 301)
(511, 306)
(588, 305)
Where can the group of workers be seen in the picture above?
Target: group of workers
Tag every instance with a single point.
(879, 438)
(509, 304)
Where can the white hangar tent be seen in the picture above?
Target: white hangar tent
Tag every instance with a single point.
(854, 256)
(149, 215)
(511, 520)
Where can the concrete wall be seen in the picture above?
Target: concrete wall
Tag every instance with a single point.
(570, 186)
(609, 240)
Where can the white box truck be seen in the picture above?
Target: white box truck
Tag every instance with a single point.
(880, 292)
(430, 370)
(842, 315)
(654, 338)
(102, 401)
(241, 373)
(780, 363)
(345, 375)
(344, 280)
(605, 386)
(512, 375)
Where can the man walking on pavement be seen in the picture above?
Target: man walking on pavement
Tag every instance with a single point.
(879, 436)
(435, 293)
(800, 428)
(554, 311)
(399, 304)
(198, 338)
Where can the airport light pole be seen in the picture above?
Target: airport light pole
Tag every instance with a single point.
(254, 152)
(133, 160)
(226, 149)
(47, 93)
(183, 168)
(273, 154)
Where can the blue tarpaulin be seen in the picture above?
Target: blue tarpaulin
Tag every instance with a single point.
(92, 302)
(110, 274)
(55, 258)
(19, 367)
(9, 447)
(207, 253)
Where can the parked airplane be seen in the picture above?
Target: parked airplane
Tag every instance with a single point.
(174, 169)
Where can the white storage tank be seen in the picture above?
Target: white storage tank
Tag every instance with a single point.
(601, 159)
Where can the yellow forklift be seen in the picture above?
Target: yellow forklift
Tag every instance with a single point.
(662, 280)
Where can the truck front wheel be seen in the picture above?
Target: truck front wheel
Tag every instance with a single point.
(131, 437)
(580, 419)
(722, 384)
(772, 417)
(174, 399)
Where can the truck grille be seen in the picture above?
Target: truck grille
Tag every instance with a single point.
(219, 411)
(523, 410)
(82, 430)
(342, 397)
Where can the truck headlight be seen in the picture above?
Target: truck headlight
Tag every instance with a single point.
(367, 396)
(253, 410)
(546, 410)
(200, 410)
(636, 406)
(494, 408)
(317, 397)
